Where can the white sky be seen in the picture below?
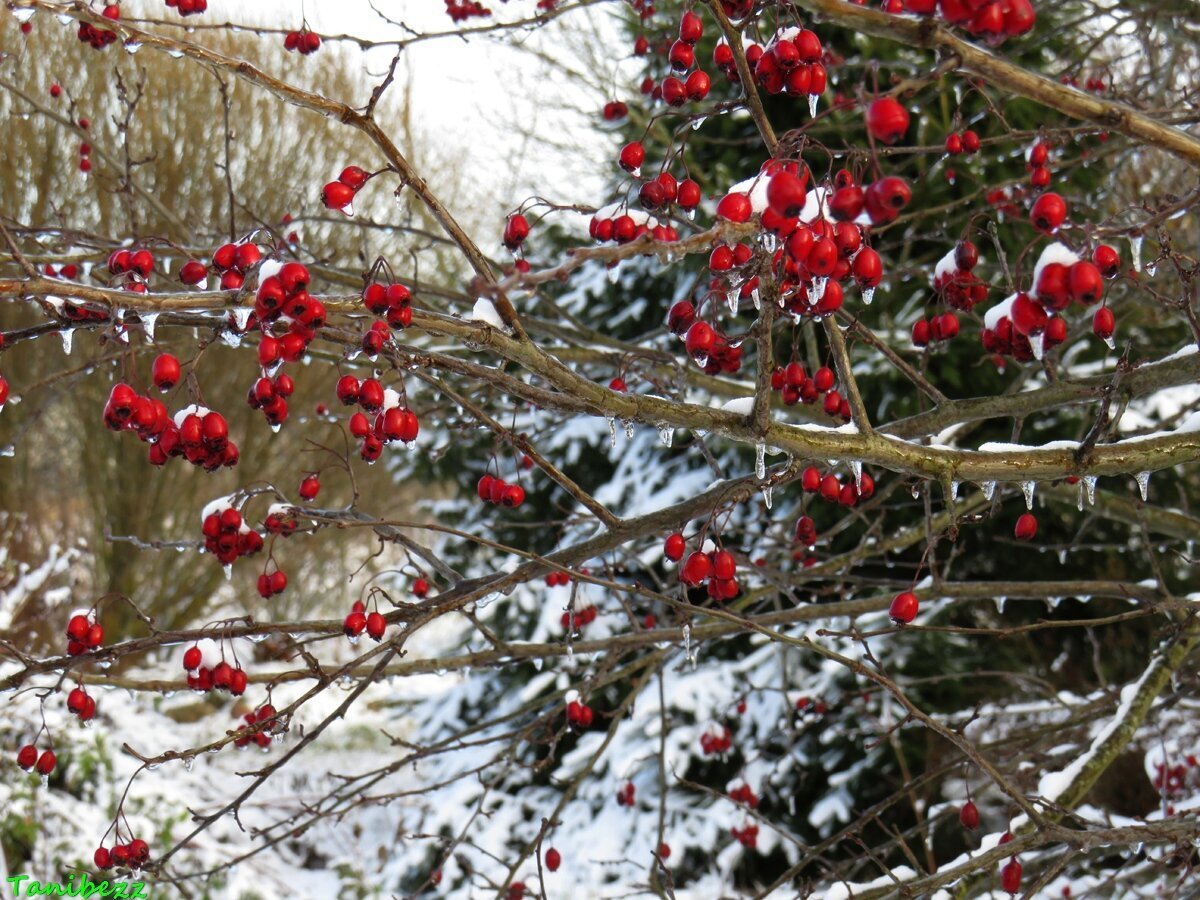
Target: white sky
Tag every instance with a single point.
(468, 92)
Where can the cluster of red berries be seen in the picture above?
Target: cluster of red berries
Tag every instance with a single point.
(303, 42)
(492, 489)
(579, 714)
(232, 261)
(85, 157)
(28, 758)
(340, 194)
(134, 855)
(188, 7)
(359, 620)
(796, 386)
(614, 111)
(1037, 160)
(393, 301)
(1094, 83)
(829, 487)
(272, 583)
(710, 349)
(393, 422)
(582, 615)
(962, 142)
(253, 733)
(1169, 780)
(134, 265)
(84, 633)
(197, 434)
(741, 792)
(1028, 323)
(626, 794)
(625, 227)
(716, 567)
(283, 298)
(747, 835)
(226, 535)
(992, 20)
(462, 10)
(806, 531)
(70, 271)
(212, 673)
(791, 62)
(881, 200)
(954, 280)
(270, 394)
(675, 90)
(715, 740)
(99, 38)
(82, 704)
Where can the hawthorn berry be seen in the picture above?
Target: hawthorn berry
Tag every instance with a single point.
(904, 608)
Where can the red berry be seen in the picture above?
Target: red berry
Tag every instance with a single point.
(165, 372)
(969, 816)
(27, 757)
(1026, 528)
(310, 487)
(1048, 212)
(735, 207)
(674, 547)
(904, 608)
(46, 762)
(632, 157)
(1010, 876)
(887, 120)
(553, 859)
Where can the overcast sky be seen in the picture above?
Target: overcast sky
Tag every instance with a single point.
(467, 92)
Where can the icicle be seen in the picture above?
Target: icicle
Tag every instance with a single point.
(132, 47)
(767, 492)
(1027, 490)
(916, 491)
(354, 639)
(989, 488)
(756, 299)
(68, 338)
(816, 290)
(8, 450)
(666, 434)
(1089, 482)
(24, 13)
(698, 121)
(1037, 343)
(228, 571)
(760, 460)
(612, 430)
(954, 490)
(230, 338)
(690, 214)
(856, 468)
(348, 209)
(149, 320)
(1079, 498)
(1135, 251)
(275, 426)
(1151, 268)
(689, 649)
(1143, 483)
(702, 360)
(1110, 342)
(868, 295)
(241, 315)
(812, 104)
(628, 428)
(188, 762)
(636, 173)
(731, 301)
(1062, 556)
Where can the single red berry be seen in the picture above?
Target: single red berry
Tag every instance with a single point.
(674, 547)
(904, 608)
(969, 816)
(553, 859)
(1026, 528)
(165, 372)
(1010, 877)
(887, 120)
(310, 487)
